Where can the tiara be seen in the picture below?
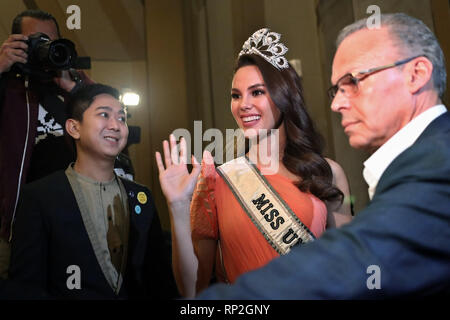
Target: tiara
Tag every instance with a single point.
(267, 45)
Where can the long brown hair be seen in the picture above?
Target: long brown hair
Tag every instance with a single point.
(304, 145)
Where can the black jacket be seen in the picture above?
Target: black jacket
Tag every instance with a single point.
(49, 236)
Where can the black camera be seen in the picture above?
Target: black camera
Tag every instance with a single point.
(46, 57)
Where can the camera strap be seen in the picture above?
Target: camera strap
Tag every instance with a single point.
(19, 183)
(75, 76)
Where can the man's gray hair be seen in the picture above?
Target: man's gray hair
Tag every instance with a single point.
(412, 37)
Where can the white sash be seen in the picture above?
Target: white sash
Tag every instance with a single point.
(269, 213)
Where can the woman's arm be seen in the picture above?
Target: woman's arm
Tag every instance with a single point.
(184, 261)
(205, 251)
(178, 186)
(339, 213)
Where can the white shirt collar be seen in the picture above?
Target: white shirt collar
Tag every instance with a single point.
(402, 140)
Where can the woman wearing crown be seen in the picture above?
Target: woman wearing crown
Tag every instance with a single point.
(252, 209)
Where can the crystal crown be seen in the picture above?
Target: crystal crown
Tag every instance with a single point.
(267, 45)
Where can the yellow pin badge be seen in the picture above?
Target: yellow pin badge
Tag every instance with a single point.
(142, 197)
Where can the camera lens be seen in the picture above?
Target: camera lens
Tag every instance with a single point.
(45, 55)
(59, 54)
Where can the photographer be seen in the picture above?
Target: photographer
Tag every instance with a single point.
(32, 116)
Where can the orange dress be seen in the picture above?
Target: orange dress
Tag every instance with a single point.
(215, 213)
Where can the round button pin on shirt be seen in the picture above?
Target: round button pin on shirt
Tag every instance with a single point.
(137, 209)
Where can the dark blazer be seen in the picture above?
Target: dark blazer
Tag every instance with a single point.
(49, 236)
(404, 231)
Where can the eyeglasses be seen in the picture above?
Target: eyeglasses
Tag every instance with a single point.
(349, 83)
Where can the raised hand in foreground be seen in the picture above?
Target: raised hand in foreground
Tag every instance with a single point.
(178, 186)
(176, 182)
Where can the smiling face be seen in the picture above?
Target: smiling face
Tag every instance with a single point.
(103, 131)
(382, 105)
(251, 105)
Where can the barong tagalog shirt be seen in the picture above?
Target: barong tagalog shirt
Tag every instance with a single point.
(104, 209)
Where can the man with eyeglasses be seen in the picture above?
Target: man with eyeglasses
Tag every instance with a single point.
(387, 85)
